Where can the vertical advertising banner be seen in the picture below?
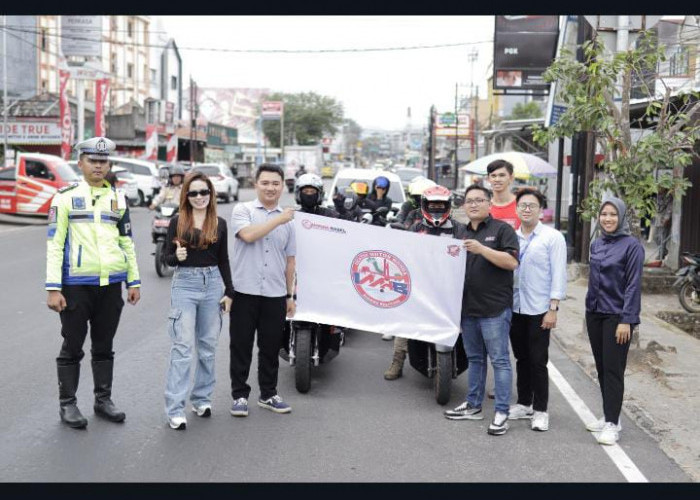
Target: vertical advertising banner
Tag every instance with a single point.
(171, 150)
(151, 143)
(64, 115)
(101, 90)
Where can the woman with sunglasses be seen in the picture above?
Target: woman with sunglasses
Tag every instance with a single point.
(201, 292)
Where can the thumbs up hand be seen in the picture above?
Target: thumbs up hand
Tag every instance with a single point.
(181, 252)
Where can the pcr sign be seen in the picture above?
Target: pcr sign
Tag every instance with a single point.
(272, 110)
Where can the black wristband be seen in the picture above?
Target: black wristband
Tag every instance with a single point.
(290, 296)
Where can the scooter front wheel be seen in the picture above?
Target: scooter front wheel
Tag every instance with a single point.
(443, 377)
(689, 297)
(162, 269)
(302, 365)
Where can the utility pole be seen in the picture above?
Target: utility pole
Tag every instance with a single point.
(456, 166)
(472, 57)
(431, 144)
(193, 121)
(4, 86)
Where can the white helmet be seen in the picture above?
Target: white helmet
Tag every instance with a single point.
(418, 185)
(308, 180)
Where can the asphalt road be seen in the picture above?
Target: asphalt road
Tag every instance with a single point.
(352, 425)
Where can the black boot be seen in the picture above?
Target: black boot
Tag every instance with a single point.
(68, 378)
(104, 407)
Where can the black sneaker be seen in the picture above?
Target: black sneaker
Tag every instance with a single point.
(499, 426)
(465, 411)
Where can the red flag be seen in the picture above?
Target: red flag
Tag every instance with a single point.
(171, 155)
(66, 135)
(151, 143)
(101, 90)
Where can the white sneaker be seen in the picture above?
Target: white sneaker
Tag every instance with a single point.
(387, 337)
(540, 421)
(609, 435)
(599, 424)
(178, 423)
(520, 412)
(499, 426)
(202, 411)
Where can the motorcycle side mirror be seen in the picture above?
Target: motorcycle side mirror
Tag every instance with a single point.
(367, 218)
(457, 200)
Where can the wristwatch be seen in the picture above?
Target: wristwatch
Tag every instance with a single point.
(290, 296)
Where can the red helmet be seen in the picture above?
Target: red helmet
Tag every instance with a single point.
(436, 205)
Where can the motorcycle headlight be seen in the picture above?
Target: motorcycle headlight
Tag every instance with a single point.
(167, 211)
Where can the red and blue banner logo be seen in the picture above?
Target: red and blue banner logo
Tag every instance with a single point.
(380, 278)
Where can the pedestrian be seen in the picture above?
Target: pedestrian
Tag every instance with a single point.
(90, 253)
(201, 291)
(613, 304)
(487, 302)
(539, 285)
(263, 278)
(500, 176)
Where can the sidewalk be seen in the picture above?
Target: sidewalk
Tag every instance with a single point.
(662, 393)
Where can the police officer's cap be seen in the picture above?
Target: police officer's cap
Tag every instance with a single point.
(96, 148)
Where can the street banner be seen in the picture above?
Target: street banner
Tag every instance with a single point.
(101, 90)
(171, 149)
(379, 280)
(64, 110)
(81, 36)
(151, 143)
(272, 110)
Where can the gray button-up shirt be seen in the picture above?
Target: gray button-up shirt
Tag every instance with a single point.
(258, 268)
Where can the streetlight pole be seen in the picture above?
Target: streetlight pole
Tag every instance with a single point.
(456, 166)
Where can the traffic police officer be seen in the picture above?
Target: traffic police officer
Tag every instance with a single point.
(89, 254)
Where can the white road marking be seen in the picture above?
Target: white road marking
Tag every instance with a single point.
(621, 460)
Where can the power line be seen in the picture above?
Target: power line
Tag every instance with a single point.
(261, 51)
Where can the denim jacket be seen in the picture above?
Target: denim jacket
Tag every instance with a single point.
(615, 280)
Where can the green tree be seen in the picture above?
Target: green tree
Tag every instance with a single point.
(523, 111)
(308, 117)
(630, 168)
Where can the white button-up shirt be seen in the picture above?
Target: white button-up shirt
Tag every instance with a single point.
(541, 275)
(258, 268)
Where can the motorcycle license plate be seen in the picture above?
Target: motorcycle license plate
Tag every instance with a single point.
(161, 223)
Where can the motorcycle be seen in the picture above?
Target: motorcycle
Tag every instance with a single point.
(309, 344)
(159, 231)
(689, 282)
(378, 217)
(439, 362)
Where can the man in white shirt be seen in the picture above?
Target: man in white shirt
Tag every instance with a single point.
(539, 285)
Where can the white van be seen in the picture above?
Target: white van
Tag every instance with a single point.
(347, 176)
(145, 173)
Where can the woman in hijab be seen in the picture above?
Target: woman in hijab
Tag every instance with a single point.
(613, 304)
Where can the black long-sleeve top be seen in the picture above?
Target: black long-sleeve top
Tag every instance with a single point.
(215, 254)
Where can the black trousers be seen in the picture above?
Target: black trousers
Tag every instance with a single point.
(266, 315)
(610, 361)
(101, 306)
(530, 345)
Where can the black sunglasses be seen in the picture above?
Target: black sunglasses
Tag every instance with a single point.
(203, 192)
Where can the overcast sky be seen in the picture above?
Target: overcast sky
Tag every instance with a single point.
(375, 87)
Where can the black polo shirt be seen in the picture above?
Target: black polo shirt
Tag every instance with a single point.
(488, 289)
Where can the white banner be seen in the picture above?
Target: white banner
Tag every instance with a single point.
(378, 279)
(81, 36)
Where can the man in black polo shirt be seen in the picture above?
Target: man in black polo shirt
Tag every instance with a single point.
(487, 304)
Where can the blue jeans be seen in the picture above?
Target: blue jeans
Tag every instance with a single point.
(194, 320)
(482, 336)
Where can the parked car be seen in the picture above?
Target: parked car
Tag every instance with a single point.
(28, 188)
(145, 173)
(126, 181)
(225, 184)
(407, 175)
(347, 176)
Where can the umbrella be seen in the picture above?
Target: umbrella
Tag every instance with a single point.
(525, 165)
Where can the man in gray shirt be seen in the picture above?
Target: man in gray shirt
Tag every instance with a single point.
(263, 267)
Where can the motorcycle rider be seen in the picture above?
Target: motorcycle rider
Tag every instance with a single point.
(379, 195)
(308, 192)
(171, 193)
(410, 211)
(347, 204)
(436, 220)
